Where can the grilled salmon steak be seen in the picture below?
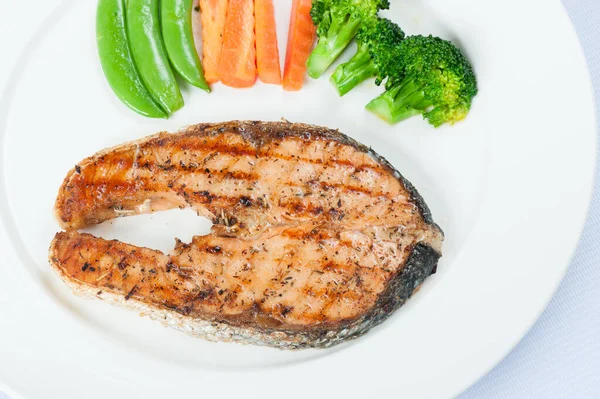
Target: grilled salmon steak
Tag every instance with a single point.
(315, 240)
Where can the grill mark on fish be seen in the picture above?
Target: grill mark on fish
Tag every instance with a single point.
(215, 149)
(325, 265)
(195, 167)
(117, 186)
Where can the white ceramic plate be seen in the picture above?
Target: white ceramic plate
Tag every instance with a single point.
(510, 187)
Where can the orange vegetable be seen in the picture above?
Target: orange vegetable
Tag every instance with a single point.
(267, 53)
(300, 41)
(213, 14)
(237, 63)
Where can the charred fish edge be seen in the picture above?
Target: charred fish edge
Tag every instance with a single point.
(421, 264)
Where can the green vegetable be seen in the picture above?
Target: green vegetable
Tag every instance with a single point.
(430, 77)
(176, 20)
(117, 62)
(150, 55)
(338, 21)
(378, 39)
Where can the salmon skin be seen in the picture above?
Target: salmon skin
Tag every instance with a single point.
(315, 238)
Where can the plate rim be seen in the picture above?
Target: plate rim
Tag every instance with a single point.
(593, 186)
(22, 58)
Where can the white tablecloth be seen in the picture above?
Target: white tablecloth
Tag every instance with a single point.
(560, 356)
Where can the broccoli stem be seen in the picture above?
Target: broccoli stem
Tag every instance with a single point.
(330, 46)
(400, 102)
(350, 74)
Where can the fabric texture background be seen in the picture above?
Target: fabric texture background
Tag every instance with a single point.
(560, 356)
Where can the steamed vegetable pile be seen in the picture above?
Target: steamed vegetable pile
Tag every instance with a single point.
(143, 44)
(423, 75)
(137, 50)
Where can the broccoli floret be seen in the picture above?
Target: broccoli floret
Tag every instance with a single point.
(320, 11)
(432, 77)
(337, 23)
(378, 41)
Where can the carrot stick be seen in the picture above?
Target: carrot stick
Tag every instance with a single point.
(213, 14)
(267, 53)
(237, 63)
(300, 41)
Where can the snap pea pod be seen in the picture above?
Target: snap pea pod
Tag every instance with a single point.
(117, 61)
(150, 55)
(176, 21)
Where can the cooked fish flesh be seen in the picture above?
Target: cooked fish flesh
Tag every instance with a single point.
(316, 238)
